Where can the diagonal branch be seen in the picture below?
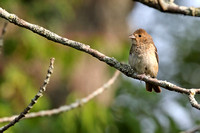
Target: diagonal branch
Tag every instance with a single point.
(68, 107)
(16, 118)
(124, 68)
(171, 7)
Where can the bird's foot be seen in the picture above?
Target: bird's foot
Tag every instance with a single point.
(141, 76)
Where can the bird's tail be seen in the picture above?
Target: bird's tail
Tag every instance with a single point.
(149, 88)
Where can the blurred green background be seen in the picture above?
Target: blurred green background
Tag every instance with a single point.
(105, 26)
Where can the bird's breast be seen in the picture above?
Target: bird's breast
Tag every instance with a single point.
(144, 61)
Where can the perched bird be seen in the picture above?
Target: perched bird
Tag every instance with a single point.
(143, 57)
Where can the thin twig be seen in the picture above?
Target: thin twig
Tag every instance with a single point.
(171, 7)
(124, 68)
(66, 108)
(33, 101)
(193, 130)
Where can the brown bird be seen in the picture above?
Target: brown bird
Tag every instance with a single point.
(143, 57)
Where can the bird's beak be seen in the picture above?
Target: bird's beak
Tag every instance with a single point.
(131, 36)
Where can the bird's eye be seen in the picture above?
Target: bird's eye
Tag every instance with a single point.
(140, 35)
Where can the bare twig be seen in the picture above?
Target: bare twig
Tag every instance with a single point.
(193, 130)
(68, 107)
(171, 7)
(124, 68)
(15, 119)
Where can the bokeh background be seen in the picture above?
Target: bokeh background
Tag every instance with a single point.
(105, 26)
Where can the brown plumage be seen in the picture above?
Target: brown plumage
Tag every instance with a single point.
(143, 57)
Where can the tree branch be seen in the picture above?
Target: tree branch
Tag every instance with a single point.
(66, 108)
(16, 118)
(124, 68)
(171, 7)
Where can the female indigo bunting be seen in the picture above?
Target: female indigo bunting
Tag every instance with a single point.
(143, 57)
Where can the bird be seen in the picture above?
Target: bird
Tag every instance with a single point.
(143, 57)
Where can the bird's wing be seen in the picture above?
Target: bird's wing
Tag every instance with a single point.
(156, 53)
